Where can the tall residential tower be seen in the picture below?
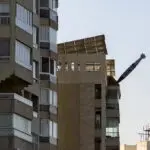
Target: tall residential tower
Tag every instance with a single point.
(28, 91)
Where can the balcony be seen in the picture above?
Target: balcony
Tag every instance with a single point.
(14, 103)
(45, 12)
(49, 77)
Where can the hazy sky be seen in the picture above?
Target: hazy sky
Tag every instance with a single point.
(126, 25)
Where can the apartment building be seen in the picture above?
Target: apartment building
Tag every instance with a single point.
(28, 90)
(88, 114)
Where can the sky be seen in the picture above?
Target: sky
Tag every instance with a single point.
(126, 26)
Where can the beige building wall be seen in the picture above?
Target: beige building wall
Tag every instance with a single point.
(76, 109)
(128, 147)
(144, 145)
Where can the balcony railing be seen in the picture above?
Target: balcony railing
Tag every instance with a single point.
(16, 97)
(4, 20)
(48, 76)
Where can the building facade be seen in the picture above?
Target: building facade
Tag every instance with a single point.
(28, 90)
(88, 114)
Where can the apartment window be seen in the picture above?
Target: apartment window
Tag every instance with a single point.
(48, 97)
(53, 15)
(35, 69)
(5, 47)
(48, 128)
(53, 129)
(112, 127)
(23, 18)
(44, 34)
(66, 66)
(4, 13)
(45, 65)
(53, 98)
(53, 39)
(35, 37)
(22, 124)
(44, 96)
(98, 119)
(4, 8)
(90, 67)
(78, 67)
(98, 91)
(23, 55)
(54, 4)
(44, 127)
(53, 67)
(34, 99)
(72, 66)
(44, 3)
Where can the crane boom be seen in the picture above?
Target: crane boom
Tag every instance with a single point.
(131, 68)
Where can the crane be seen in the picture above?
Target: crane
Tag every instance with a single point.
(131, 68)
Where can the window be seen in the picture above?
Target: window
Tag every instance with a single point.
(53, 67)
(112, 127)
(66, 66)
(17, 125)
(53, 39)
(35, 69)
(48, 97)
(53, 98)
(35, 37)
(5, 47)
(44, 96)
(98, 119)
(45, 127)
(53, 15)
(22, 124)
(4, 13)
(48, 34)
(23, 55)
(44, 34)
(98, 91)
(23, 18)
(45, 65)
(72, 66)
(78, 67)
(53, 129)
(48, 128)
(92, 67)
(44, 3)
(4, 8)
